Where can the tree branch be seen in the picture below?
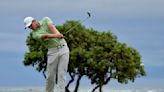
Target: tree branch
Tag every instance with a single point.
(95, 88)
(78, 83)
(72, 79)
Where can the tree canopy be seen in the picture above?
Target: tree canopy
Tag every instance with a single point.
(98, 55)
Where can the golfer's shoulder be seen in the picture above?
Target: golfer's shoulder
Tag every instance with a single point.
(47, 19)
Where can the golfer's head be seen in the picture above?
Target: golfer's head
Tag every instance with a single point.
(31, 23)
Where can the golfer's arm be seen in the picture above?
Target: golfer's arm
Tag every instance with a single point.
(44, 36)
(53, 29)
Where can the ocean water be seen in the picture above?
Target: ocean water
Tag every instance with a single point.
(82, 90)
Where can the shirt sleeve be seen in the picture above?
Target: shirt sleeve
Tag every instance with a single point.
(36, 35)
(48, 20)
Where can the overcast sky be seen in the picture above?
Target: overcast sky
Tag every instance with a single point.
(138, 23)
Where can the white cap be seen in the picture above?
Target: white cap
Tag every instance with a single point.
(28, 21)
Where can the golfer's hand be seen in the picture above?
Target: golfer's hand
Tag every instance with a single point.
(59, 35)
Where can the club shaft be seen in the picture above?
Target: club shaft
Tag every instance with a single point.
(77, 25)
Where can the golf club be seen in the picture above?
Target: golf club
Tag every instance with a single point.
(89, 15)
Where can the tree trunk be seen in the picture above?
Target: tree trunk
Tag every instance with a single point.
(44, 75)
(95, 88)
(72, 79)
(100, 85)
(100, 88)
(78, 83)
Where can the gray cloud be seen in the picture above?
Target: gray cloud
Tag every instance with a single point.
(114, 7)
(12, 43)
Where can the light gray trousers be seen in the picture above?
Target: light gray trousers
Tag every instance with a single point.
(57, 64)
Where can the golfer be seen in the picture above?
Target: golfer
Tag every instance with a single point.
(58, 51)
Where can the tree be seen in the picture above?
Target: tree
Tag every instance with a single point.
(94, 54)
(37, 55)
